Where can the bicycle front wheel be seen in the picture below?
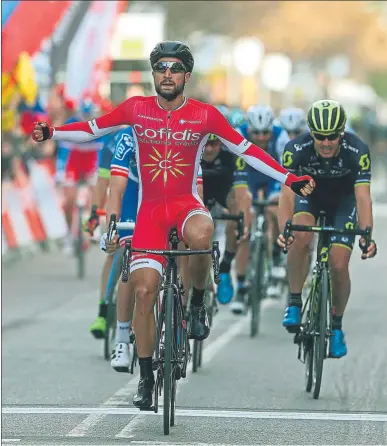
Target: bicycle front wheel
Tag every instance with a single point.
(196, 356)
(168, 358)
(320, 338)
(257, 287)
(111, 299)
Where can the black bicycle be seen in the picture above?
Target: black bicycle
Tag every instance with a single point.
(314, 334)
(258, 271)
(172, 351)
(210, 295)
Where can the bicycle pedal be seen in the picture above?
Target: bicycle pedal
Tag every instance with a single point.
(295, 329)
(147, 409)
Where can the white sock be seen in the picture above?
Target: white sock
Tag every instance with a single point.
(123, 330)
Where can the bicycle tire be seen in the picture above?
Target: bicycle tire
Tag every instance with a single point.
(178, 338)
(256, 288)
(320, 340)
(195, 356)
(308, 343)
(111, 326)
(173, 403)
(80, 253)
(200, 353)
(309, 368)
(168, 349)
(111, 316)
(133, 362)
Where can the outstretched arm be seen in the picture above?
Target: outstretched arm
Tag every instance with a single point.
(255, 156)
(79, 132)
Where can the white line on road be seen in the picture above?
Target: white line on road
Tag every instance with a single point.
(206, 413)
(82, 428)
(122, 397)
(209, 353)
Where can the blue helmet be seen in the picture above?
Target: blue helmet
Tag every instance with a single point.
(236, 117)
(87, 107)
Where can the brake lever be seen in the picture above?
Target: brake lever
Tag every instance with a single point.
(126, 260)
(241, 226)
(112, 227)
(367, 238)
(215, 261)
(287, 234)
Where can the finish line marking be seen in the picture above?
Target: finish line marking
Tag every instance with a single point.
(208, 413)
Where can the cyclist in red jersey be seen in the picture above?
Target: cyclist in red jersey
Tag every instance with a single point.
(171, 131)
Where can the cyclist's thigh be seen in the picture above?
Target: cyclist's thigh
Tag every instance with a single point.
(150, 233)
(129, 210)
(345, 217)
(306, 211)
(185, 208)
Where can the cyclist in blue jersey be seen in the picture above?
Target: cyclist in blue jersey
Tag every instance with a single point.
(98, 327)
(118, 159)
(260, 129)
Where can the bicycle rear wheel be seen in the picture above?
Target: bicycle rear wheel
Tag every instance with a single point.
(257, 286)
(196, 355)
(168, 358)
(320, 338)
(80, 245)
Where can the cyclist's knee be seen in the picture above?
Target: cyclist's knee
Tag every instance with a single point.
(302, 241)
(199, 233)
(339, 261)
(145, 295)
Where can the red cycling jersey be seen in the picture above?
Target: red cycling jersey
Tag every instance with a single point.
(170, 143)
(169, 148)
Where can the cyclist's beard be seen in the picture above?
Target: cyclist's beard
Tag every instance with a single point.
(170, 95)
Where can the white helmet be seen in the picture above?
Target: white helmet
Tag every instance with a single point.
(293, 119)
(260, 118)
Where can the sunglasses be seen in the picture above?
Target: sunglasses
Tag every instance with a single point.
(175, 67)
(260, 133)
(330, 137)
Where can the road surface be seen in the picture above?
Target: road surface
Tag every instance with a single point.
(57, 388)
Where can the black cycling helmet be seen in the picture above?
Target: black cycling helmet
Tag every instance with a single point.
(173, 48)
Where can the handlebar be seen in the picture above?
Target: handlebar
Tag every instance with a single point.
(264, 203)
(289, 227)
(215, 254)
(240, 219)
(114, 226)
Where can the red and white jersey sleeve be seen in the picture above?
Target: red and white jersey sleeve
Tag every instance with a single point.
(252, 154)
(85, 131)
